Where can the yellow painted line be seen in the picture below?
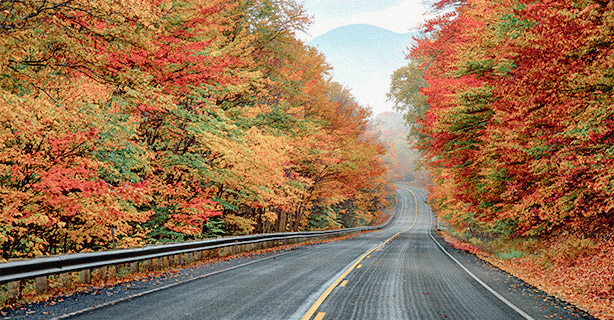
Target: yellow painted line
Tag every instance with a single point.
(359, 266)
(369, 256)
(335, 283)
(343, 283)
(320, 316)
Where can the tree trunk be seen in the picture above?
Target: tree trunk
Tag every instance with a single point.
(296, 223)
(282, 221)
(259, 225)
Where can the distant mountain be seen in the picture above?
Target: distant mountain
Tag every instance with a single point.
(363, 58)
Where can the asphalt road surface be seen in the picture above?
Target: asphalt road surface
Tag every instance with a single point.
(402, 272)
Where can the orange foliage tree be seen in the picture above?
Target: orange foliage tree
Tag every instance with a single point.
(518, 130)
(128, 123)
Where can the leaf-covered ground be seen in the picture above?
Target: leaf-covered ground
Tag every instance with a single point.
(577, 271)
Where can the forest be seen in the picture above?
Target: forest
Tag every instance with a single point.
(132, 122)
(511, 105)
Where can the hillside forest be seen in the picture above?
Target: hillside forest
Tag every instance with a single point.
(511, 104)
(132, 122)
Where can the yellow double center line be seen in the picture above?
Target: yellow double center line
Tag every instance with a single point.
(330, 289)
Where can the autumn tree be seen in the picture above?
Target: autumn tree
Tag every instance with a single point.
(60, 125)
(130, 123)
(404, 92)
(519, 121)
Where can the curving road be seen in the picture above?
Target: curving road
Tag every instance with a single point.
(401, 272)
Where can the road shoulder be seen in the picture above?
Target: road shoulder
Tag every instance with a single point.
(531, 300)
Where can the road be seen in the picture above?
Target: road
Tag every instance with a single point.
(400, 272)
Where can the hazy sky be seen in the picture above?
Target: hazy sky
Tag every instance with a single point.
(400, 16)
(367, 82)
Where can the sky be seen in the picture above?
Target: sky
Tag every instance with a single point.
(399, 16)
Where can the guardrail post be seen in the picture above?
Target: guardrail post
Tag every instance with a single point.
(103, 273)
(134, 267)
(66, 279)
(41, 284)
(13, 291)
(85, 276)
(107, 272)
(147, 264)
(112, 269)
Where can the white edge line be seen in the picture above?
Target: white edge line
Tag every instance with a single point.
(495, 293)
(136, 295)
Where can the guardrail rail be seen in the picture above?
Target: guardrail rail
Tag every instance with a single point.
(150, 257)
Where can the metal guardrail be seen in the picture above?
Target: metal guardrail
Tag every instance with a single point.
(39, 267)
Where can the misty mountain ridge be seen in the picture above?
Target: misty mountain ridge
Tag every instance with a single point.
(363, 36)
